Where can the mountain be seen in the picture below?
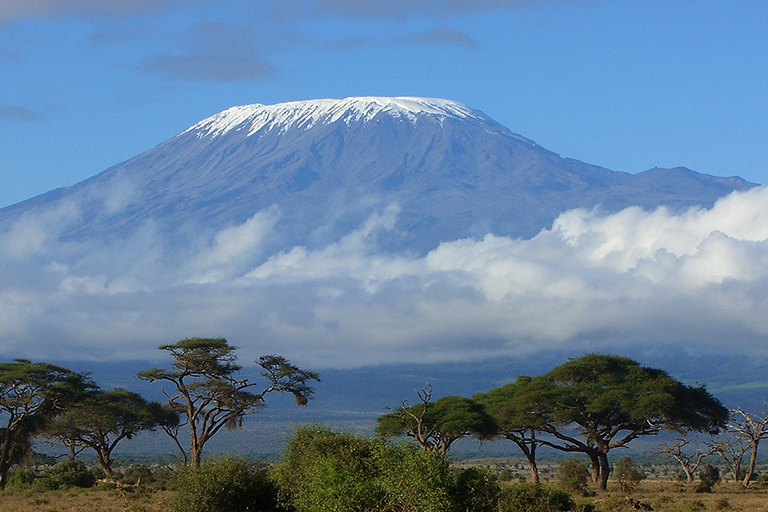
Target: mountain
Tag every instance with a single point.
(324, 166)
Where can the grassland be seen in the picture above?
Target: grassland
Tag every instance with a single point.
(660, 490)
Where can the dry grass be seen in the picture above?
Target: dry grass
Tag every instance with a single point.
(663, 496)
(667, 496)
(84, 500)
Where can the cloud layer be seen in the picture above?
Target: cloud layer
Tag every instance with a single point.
(634, 279)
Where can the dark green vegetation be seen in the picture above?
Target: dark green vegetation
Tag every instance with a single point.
(587, 406)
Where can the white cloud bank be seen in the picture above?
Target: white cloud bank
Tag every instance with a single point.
(634, 279)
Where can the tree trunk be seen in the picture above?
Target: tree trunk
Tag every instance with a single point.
(5, 458)
(605, 470)
(595, 468)
(534, 468)
(103, 456)
(751, 468)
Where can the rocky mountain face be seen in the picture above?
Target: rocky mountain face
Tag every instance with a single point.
(325, 166)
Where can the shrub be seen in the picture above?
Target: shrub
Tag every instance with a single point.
(573, 476)
(226, 484)
(722, 503)
(324, 470)
(534, 498)
(68, 473)
(708, 477)
(20, 477)
(627, 475)
(140, 473)
(475, 490)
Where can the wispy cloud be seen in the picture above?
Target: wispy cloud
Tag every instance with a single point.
(18, 113)
(388, 8)
(442, 36)
(214, 52)
(634, 279)
(13, 9)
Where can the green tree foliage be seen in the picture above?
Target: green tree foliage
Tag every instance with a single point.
(596, 403)
(30, 395)
(210, 396)
(101, 419)
(573, 475)
(227, 484)
(517, 410)
(436, 425)
(628, 476)
(324, 470)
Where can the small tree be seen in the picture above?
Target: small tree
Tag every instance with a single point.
(573, 475)
(519, 415)
(751, 428)
(628, 476)
(210, 396)
(104, 418)
(30, 395)
(679, 449)
(708, 477)
(436, 425)
(731, 448)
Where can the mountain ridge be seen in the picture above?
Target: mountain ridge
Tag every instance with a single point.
(326, 165)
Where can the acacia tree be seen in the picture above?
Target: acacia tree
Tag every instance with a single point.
(596, 403)
(104, 418)
(752, 429)
(612, 400)
(30, 395)
(436, 425)
(731, 447)
(679, 449)
(210, 396)
(519, 415)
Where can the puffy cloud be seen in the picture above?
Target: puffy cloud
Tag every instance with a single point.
(634, 279)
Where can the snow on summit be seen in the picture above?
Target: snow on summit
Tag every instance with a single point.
(305, 114)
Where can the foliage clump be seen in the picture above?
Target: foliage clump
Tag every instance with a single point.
(628, 476)
(574, 476)
(227, 484)
(324, 470)
(67, 474)
(524, 497)
(708, 477)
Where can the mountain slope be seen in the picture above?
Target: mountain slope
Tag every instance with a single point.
(326, 165)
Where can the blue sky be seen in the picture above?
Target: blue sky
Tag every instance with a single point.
(629, 85)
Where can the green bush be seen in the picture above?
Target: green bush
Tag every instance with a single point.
(534, 498)
(226, 484)
(324, 471)
(68, 473)
(573, 476)
(412, 479)
(475, 490)
(140, 473)
(628, 476)
(708, 477)
(20, 478)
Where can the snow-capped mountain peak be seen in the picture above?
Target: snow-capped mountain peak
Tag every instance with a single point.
(306, 114)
